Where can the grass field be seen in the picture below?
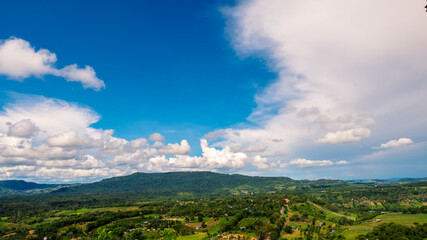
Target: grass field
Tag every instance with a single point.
(406, 219)
(193, 237)
(331, 214)
(352, 232)
(294, 234)
(86, 210)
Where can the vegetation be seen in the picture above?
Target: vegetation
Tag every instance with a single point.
(213, 206)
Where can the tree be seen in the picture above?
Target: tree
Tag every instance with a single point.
(288, 229)
(168, 234)
(104, 234)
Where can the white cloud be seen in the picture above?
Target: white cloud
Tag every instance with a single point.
(51, 116)
(19, 60)
(351, 135)
(262, 163)
(225, 158)
(395, 143)
(65, 139)
(158, 144)
(86, 76)
(138, 143)
(24, 128)
(211, 159)
(348, 71)
(72, 139)
(256, 148)
(86, 162)
(176, 149)
(304, 163)
(67, 142)
(35, 173)
(156, 137)
(342, 162)
(305, 112)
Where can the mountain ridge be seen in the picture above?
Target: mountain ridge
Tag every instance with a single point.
(197, 182)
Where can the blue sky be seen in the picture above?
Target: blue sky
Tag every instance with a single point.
(158, 59)
(252, 87)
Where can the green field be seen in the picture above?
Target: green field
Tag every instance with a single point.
(88, 210)
(331, 214)
(406, 219)
(193, 237)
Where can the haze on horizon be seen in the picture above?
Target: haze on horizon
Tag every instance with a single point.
(303, 89)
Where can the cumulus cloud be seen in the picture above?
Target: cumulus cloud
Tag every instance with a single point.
(72, 139)
(19, 60)
(24, 128)
(176, 149)
(138, 143)
(51, 116)
(347, 71)
(395, 143)
(53, 135)
(66, 174)
(212, 159)
(156, 137)
(262, 163)
(224, 158)
(304, 163)
(86, 162)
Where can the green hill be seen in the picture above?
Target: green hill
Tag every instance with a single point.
(197, 183)
(13, 187)
(21, 185)
(387, 182)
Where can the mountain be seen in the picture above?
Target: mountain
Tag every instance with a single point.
(174, 184)
(196, 183)
(13, 187)
(386, 182)
(187, 184)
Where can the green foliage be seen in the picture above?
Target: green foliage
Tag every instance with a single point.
(160, 208)
(416, 210)
(104, 234)
(396, 231)
(168, 234)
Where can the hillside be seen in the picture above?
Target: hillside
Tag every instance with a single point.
(387, 182)
(13, 187)
(198, 183)
(188, 184)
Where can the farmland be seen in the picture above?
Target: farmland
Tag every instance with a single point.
(330, 212)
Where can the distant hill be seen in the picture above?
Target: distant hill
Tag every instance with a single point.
(187, 184)
(13, 187)
(386, 182)
(197, 183)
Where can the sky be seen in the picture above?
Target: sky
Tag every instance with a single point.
(303, 89)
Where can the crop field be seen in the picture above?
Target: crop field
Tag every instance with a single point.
(199, 236)
(90, 210)
(325, 214)
(405, 219)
